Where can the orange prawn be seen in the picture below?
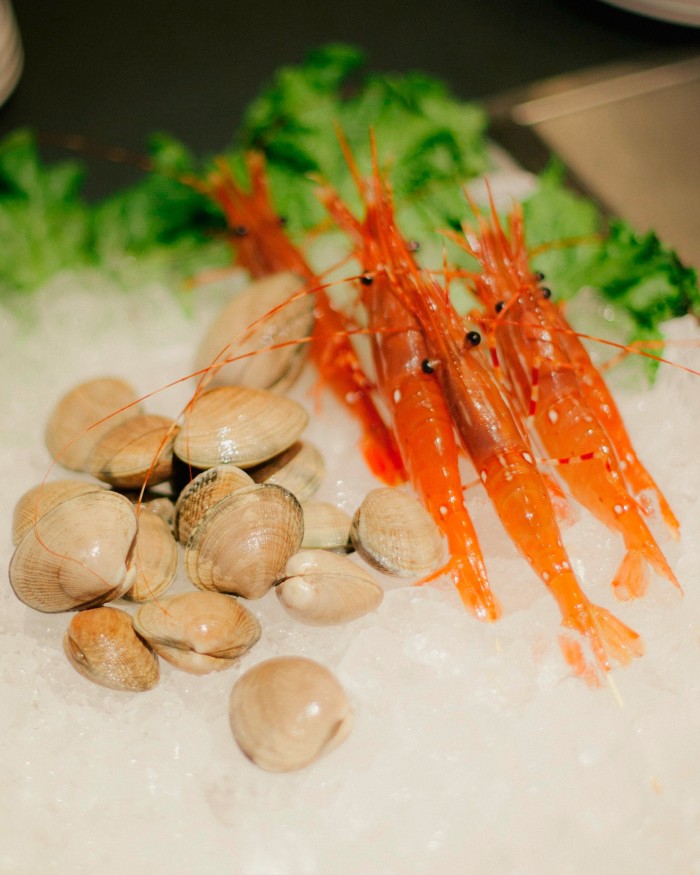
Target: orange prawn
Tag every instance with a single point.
(263, 248)
(419, 413)
(553, 382)
(492, 436)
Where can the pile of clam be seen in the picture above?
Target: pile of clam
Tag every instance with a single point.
(243, 523)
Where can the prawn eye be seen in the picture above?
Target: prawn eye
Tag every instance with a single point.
(472, 338)
(366, 279)
(539, 276)
(426, 366)
(413, 246)
(499, 306)
(546, 293)
(240, 230)
(282, 221)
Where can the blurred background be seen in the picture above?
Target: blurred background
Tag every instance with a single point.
(116, 72)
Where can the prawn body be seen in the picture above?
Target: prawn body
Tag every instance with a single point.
(263, 248)
(489, 432)
(555, 385)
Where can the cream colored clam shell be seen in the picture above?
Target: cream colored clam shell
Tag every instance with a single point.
(203, 492)
(155, 558)
(287, 712)
(239, 426)
(135, 452)
(243, 542)
(300, 469)
(83, 415)
(78, 555)
(41, 498)
(199, 632)
(103, 646)
(394, 533)
(324, 589)
(326, 527)
(279, 314)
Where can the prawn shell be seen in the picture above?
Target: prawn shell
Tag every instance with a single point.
(83, 415)
(325, 589)
(394, 533)
(78, 555)
(288, 711)
(240, 426)
(281, 317)
(241, 544)
(198, 632)
(103, 646)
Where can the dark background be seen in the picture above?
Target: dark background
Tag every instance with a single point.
(117, 70)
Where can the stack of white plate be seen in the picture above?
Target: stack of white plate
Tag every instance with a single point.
(11, 55)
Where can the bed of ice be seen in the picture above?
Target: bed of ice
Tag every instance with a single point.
(473, 750)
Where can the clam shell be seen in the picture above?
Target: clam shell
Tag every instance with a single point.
(40, 499)
(78, 555)
(324, 589)
(280, 322)
(83, 415)
(300, 469)
(155, 558)
(240, 426)
(199, 632)
(326, 527)
(103, 646)
(243, 542)
(135, 452)
(393, 532)
(203, 492)
(287, 712)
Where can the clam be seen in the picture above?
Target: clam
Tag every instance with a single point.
(393, 532)
(288, 711)
(202, 492)
(134, 452)
(299, 469)
(326, 527)
(103, 646)
(286, 318)
(40, 499)
(324, 589)
(78, 555)
(155, 558)
(243, 542)
(199, 632)
(83, 415)
(240, 426)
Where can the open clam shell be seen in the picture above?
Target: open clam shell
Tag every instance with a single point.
(241, 544)
(287, 712)
(393, 532)
(134, 452)
(199, 632)
(325, 589)
(299, 468)
(203, 492)
(104, 647)
(78, 555)
(240, 426)
(83, 415)
(283, 314)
